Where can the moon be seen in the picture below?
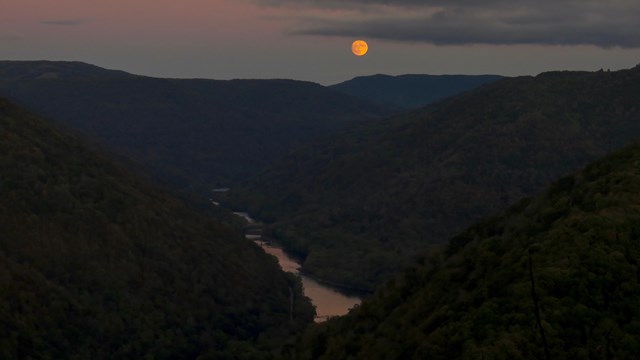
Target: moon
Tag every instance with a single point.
(359, 47)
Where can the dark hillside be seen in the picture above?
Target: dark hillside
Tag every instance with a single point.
(195, 134)
(96, 263)
(410, 91)
(363, 204)
(555, 277)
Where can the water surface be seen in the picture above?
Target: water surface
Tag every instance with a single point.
(328, 301)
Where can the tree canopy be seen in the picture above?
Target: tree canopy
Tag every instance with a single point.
(554, 277)
(98, 263)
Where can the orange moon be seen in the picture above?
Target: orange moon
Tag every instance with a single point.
(359, 47)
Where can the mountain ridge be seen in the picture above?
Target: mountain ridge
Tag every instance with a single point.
(411, 90)
(193, 134)
(46, 69)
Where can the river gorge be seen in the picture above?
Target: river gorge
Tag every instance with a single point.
(327, 300)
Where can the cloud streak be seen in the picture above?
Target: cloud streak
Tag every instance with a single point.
(603, 23)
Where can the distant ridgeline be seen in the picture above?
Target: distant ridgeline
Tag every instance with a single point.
(196, 134)
(97, 264)
(365, 203)
(556, 277)
(410, 91)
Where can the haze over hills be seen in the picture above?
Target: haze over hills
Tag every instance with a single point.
(97, 263)
(203, 132)
(364, 204)
(411, 90)
(555, 277)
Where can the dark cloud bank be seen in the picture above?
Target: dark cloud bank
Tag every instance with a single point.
(603, 23)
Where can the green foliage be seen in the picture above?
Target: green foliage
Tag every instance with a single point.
(575, 250)
(96, 263)
(392, 189)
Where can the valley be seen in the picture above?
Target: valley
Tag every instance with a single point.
(445, 227)
(320, 180)
(365, 204)
(329, 301)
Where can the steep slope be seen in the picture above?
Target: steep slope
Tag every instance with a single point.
(95, 263)
(556, 277)
(359, 206)
(410, 91)
(204, 132)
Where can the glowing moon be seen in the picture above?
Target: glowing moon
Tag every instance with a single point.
(359, 47)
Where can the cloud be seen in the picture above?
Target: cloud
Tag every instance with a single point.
(603, 23)
(63, 22)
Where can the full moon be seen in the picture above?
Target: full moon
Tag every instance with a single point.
(359, 47)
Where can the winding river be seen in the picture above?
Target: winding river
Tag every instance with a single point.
(328, 301)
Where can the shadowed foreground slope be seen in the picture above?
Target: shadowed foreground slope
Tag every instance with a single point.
(556, 277)
(96, 263)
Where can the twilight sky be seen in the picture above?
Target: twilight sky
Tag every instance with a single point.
(310, 39)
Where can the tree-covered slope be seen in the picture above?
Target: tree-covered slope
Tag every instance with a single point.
(204, 132)
(555, 277)
(363, 204)
(410, 91)
(96, 263)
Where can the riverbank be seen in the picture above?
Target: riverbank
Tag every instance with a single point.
(329, 300)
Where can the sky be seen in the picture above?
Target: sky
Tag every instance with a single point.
(311, 39)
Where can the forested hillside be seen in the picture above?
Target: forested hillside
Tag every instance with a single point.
(365, 203)
(555, 277)
(194, 134)
(410, 91)
(98, 264)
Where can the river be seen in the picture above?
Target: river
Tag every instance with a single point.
(328, 301)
